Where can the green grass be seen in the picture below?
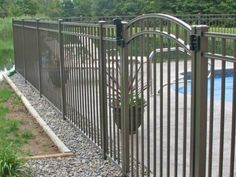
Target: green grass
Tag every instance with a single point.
(11, 138)
(6, 43)
(5, 94)
(10, 164)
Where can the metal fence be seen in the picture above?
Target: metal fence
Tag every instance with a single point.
(222, 23)
(146, 92)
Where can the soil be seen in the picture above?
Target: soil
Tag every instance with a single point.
(40, 143)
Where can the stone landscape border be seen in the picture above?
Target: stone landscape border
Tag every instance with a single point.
(64, 151)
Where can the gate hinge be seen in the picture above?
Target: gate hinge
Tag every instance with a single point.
(119, 32)
(194, 42)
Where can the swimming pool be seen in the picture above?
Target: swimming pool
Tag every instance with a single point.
(217, 87)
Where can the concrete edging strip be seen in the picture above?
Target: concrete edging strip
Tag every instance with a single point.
(61, 146)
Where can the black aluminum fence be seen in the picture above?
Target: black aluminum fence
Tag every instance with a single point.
(155, 94)
(221, 23)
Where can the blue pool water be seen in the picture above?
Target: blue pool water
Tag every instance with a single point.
(217, 88)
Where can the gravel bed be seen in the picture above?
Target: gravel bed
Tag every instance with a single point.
(88, 160)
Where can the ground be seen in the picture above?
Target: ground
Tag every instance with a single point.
(25, 132)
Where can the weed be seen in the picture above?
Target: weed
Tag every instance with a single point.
(10, 164)
(16, 100)
(27, 134)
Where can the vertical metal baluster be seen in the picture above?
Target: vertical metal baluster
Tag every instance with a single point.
(113, 91)
(82, 68)
(87, 83)
(168, 101)
(222, 114)
(103, 90)
(73, 75)
(90, 84)
(136, 94)
(93, 82)
(185, 108)
(118, 95)
(132, 126)
(66, 48)
(161, 100)
(232, 152)
(176, 102)
(66, 53)
(149, 81)
(211, 109)
(77, 77)
(143, 38)
(109, 88)
(61, 43)
(23, 44)
(39, 56)
(96, 33)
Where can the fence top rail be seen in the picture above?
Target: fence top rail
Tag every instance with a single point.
(220, 35)
(227, 58)
(80, 24)
(205, 15)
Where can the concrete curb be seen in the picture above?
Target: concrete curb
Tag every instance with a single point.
(61, 146)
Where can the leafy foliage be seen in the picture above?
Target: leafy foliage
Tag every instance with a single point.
(56, 8)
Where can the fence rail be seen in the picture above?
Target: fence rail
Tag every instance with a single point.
(225, 23)
(155, 94)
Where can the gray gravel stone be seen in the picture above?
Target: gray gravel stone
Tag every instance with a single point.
(88, 160)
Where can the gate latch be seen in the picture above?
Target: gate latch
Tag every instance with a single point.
(194, 42)
(119, 32)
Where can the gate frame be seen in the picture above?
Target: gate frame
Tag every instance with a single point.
(198, 95)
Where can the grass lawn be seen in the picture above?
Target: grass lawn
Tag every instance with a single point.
(20, 135)
(6, 43)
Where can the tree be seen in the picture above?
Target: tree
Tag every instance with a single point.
(29, 7)
(68, 9)
(83, 8)
(50, 8)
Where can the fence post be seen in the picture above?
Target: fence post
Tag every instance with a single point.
(103, 89)
(23, 45)
(124, 100)
(14, 44)
(61, 49)
(39, 56)
(199, 101)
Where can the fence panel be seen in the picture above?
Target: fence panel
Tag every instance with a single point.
(221, 57)
(128, 88)
(18, 47)
(81, 66)
(30, 57)
(50, 62)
